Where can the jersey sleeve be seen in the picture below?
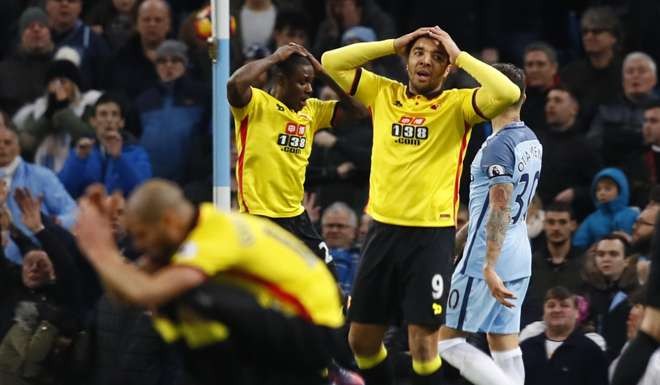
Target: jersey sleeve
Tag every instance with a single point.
(471, 113)
(256, 99)
(324, 113)
(498, 161)
(365, 86)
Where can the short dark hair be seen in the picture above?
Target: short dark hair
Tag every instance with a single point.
(565, 88)
(617, 237)
(544, 47)
(561, 207)
(603, 17)
(288, 66)
(560, 293)
(293, 18)
(515, 74)
(410, 46)
(638, 297)
(652, 103)
(109, 97)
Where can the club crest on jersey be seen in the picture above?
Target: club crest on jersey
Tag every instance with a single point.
(496, 170)
(410, 130)
(293, 139)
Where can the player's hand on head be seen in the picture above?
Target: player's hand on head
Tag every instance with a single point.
(401, 43)
(497, 288)
(450, 46)
(318, 68)
(285, 51)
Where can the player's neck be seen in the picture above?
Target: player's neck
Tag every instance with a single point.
(504, 119)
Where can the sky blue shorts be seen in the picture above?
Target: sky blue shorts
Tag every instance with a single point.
(472, 308)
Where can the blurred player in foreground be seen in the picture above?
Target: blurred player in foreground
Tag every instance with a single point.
(246, 301)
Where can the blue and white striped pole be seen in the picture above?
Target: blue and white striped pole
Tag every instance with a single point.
(221, 155)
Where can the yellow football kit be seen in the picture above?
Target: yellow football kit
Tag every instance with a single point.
(256, 255)
(419, 142)
(273, 145)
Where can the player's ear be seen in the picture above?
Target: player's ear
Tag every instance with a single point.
(448, 70)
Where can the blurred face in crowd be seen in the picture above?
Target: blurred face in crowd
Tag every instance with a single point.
(123, 6)
(539, 70)
(9, 148)
(37, 269)
(67, 85)
(597, 40)
(170, 68)
(36, 39)
(346, 12)
(289, 35)
(634, 319)
(365, 222)
(427, 65)
(558, 226)
(639, 78)
(645, 224)
(560, 315)
(153, 22)
(63, 14)
(610, 258)
(338, 229)
(328, 93)
(107, 117)
(606, 190)
(560, 109)
(117, 207)
(651, 127)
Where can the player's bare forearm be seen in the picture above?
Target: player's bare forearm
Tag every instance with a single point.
(129, 283)
(498, 221)
(461, 239)
(238, 86)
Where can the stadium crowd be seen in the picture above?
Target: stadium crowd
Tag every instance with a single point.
(118, 91)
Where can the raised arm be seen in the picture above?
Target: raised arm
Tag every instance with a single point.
(239, 92)
(496, 227)
(341, 63)
(497, 92)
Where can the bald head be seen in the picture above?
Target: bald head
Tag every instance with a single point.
(150, 201)
(153, 22)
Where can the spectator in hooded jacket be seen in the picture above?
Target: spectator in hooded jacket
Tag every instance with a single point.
(611, 196)
(172, 114)
(113, 160)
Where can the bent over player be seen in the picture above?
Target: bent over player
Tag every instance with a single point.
(239, 315)
(491, 279)
(420, 134)
(274, 133)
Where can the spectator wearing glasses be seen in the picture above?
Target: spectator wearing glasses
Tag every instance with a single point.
(596, 79)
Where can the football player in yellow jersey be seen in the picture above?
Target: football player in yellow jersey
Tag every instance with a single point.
(274, 133)
(420, 135)
(247, 302)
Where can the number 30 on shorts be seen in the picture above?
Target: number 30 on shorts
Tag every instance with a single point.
(437, 286)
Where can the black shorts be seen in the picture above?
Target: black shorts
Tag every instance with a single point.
(303, 229)
(404, 275)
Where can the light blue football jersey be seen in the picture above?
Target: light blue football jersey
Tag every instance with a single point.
(513, 155)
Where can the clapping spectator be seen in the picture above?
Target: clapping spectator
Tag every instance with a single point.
(50, 124)
(28, 62)
(113, 160)
(172, 114)
(41, 182)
